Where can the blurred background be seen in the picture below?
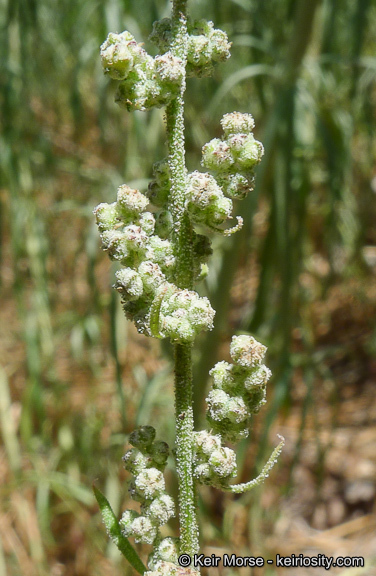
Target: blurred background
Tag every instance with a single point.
(75, 377)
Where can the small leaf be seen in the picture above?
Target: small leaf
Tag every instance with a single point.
(114, 532)
(247, 486)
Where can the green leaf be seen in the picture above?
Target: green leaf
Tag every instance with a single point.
(114, 532)
(247, 486)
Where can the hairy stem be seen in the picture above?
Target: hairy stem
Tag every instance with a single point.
(182, 242)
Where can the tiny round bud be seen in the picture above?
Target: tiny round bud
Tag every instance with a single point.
(258, 377)
(237, 123)
(250, 154)
(126, 522)
(142, 437)
(219, 211)
(237, 410)
(246, 351)
(147, 223)
(220, 46)
(203, 473)
(206, 442)
(130, 202)
(223, 463)
(106, 216)
(237, 186)
(169, 70)
(161, 252)
(161, 509)
(216, 155)
(161, 33)
(160, 452)
(144, 530)
(114, 242)
(168, 550)
(164, 224)
(150, 483)
(116, 54)
(217, 404)
(135, 461)
(222, 376)
(151, 275)
(129, 284)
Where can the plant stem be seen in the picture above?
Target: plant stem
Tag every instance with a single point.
(182, 242)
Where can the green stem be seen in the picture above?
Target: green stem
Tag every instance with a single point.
(184, 449)
(182, 242)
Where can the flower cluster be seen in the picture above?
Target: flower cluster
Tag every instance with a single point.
(157, 306)
(234, 157)
(146, 461)
(144, 81)
(182, 314)
(214, 464)
(206, 45)
(239, 389)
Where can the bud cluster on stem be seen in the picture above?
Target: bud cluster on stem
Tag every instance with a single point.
(157, 238)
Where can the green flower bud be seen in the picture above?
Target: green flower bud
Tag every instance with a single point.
(250, 154)
(199, 51)
(216, 155)
(163, 225)
(258, 377)
(161, 34)
(202, 190)
(135, 461)
(168, 550)
(147, 223)
(237, 123)
(151, 276)
(126, 522)
(116, 54)
(206, 443)
(237, 410)
(160, 452)
(220, 46)
(236, 143)
(149, 483)
(169, 70)
(114, 242)
(223, 376)
(143, 437)
(184, 314)
(256, 398)
(161, 252)
(105, 215)
(246, 351)
(217, 401)
(237, 186)
(223, 463)
(158, 194)
(161, 510)
(203, 474)
(139, 92)
(130, 203)
(219, 211)
(129, 284)
(144, 530)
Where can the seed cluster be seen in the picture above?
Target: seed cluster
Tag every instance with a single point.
(146, 461)
(155, 304)
(239, 389)
(206, 46)
(144, 81)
